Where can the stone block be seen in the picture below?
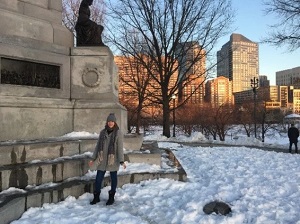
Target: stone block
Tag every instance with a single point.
(12, 210)
(41, 13)
(87, 145)
(72, 168)
(124, 179)
(6, 154)
(43, 174)
(47, 198)
(41, 151)
(55, 196)
(74, 191)
(5, 179)
(58, 172)
(34, 200)
(56, 5)
(93, 74)
(70, 148)
(151, 158)
(138, 177)
(24, 152)
(24, 26)
(18, 119)
(12, 5)
(40, 3)
(179, 176)
(133, 142)
(62, 36)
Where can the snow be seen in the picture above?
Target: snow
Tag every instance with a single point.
(261, 187)
(292, 116)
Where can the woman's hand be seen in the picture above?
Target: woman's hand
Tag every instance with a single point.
(124, 165)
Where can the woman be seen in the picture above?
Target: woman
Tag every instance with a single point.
(108, 156)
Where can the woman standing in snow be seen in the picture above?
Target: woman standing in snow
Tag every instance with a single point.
(108, 156)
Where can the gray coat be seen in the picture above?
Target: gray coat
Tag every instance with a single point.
(119, 154)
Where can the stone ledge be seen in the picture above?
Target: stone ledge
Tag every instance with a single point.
(37, 197)
(73, 182)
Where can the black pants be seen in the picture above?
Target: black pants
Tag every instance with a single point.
(296, 147)
(100, 177)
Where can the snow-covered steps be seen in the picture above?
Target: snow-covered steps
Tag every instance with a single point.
(36, 172)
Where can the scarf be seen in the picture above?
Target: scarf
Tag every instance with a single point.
(111, 149)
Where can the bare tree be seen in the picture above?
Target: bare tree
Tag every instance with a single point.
(167, 30)
(188, 122)
(286, 31)
(244, 116)
(217, 121)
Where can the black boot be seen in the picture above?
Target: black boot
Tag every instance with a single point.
(96, 199)
(111, 198)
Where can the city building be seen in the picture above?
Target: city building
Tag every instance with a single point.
(263, 81)
(238, 60)
(285, 98)
(289, 77)
(268, 94)
(218, 91)
(191, 65)
(295, 108)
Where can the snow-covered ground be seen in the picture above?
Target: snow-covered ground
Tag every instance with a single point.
(261, 187)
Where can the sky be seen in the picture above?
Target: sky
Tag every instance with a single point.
(260, 187)
(253, 24)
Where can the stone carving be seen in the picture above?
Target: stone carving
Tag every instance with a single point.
(91, 77)
(88, 33)
(18, 72)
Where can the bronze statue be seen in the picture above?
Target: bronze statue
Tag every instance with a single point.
(88, 32)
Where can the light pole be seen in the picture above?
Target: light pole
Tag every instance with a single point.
(254, 85)
(174, 98)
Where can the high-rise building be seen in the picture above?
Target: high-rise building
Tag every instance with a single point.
(263, 81)
(288, 77)
(191, 65)
(238, 61)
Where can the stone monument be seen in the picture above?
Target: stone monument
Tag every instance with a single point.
(48, 87)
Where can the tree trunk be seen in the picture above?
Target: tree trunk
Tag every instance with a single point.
(166, 119)
(138, 118)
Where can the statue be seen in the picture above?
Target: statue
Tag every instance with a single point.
(88, 32)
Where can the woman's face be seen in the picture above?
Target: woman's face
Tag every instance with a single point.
(110, 124)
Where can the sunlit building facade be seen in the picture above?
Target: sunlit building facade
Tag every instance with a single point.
(238, 60)
(219, 92)
(192, 65)
(288, 77)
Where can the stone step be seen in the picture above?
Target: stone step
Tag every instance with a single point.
(69, 182)
(51, 148)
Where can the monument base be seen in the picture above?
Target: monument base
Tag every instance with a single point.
(28, 118)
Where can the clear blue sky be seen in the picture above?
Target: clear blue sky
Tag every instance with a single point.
(252, 23)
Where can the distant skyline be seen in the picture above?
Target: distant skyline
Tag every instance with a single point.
(251, 22)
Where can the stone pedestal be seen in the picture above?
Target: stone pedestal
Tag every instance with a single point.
(94, 89)
(85, 78)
